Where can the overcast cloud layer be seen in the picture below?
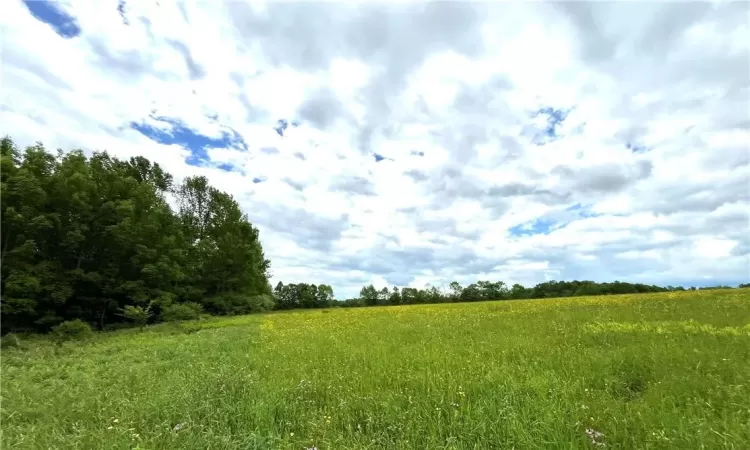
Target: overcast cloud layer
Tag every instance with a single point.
(418, 143)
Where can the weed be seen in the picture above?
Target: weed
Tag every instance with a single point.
(72, 330)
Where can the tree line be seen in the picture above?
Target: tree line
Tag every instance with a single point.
(499, 290)
(303, 295)
(109, 241)
(306, 296)
(86, 237)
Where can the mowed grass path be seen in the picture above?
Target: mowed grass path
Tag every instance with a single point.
(645, 371)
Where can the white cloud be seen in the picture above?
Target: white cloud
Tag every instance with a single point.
(712, 248)
(646, 179)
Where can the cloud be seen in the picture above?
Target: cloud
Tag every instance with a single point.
(353, 185)
(421, 142)
(308, 231)
(321, 109)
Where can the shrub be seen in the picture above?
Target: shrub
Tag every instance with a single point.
(232, 304)
(72, 330)
(138, 314)
(261, 303)
(10, 340)
(190, 327)
(115, 326)
(181, 311)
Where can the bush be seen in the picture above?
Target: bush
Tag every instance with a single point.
(181, 311)
(115, 326)
(190, 327)
(261, 303)
(233, 304)
(138, 314)
(72, 330)
(10, 340)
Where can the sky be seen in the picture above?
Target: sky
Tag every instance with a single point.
(405, 143)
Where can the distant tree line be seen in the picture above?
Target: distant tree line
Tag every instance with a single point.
(107, 241)
(302, 295)
(487, 290)
(95, 238)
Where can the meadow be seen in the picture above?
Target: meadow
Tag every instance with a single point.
(668, 370)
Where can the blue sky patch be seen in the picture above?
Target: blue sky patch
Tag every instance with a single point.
(121, 11)
(378, 157)
(65, 25)
(548, 132)
(636, 148)
(537, 226)
(582, 210)
(257, 180)
(188, 138)
(282, 125)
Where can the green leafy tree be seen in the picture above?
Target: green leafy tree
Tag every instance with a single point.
(395, 298)
(324, 297)
(455, 291)
(137, 314)
(369, 295)
(83, 237)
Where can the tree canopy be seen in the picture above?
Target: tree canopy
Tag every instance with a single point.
(83, 237)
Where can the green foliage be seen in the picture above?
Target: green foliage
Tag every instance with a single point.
(369, 295)
(262, 303)
(188, 327)
(72, 330)
(302, 295)
(235, 303)
(83, 237)
(486, 290)
(644, 371)
(137, 314)
(11, 340)
(114, 326)
(181, 311)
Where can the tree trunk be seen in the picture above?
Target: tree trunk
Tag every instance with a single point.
(5, 245)
(101, 318)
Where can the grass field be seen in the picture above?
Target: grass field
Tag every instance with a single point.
(646, 371)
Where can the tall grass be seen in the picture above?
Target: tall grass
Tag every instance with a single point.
(643, 371)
